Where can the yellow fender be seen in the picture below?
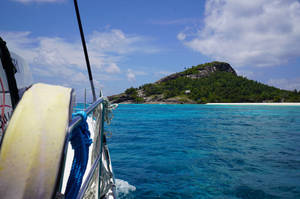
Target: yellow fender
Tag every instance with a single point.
(33, 144)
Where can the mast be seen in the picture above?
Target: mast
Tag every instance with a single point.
(85, 50)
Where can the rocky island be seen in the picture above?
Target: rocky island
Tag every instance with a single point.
(212, 82)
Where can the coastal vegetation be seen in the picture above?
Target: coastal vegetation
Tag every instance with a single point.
(133, 95)
(221, 87)
(208, 83)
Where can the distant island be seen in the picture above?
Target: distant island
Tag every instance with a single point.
(214, 82)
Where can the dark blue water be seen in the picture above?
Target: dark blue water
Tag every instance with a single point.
(201, 151)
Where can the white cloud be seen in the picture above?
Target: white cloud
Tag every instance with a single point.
(112, 68)
(256, 32)
(57, 60)
(117, 41)
(79, 78)
(130, 75)
(283, 83)
(39, 1)
(245, 73)
(181, 36)
(54, 54)
(113, 41)
(105, 49)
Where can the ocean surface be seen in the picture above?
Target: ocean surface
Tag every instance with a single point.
(206, 151)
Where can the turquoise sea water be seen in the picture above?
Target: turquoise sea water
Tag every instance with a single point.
(202, 151)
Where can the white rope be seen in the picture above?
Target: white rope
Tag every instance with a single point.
(108, 115)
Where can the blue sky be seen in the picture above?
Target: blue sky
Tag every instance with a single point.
(135, 42)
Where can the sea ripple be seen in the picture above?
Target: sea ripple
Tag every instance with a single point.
(200, 151)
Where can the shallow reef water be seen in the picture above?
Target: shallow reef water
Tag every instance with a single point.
(206, 151)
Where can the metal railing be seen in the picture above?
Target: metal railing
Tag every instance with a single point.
(74, 122)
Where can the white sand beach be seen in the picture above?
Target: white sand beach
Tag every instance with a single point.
(264, 104)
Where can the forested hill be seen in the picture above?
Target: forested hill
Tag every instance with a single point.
(209, 82)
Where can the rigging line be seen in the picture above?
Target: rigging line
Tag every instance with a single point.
(3, 107)
(85, 50)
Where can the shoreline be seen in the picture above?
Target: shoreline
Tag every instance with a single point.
(262, 104)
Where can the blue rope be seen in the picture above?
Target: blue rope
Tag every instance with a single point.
(80, 141)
